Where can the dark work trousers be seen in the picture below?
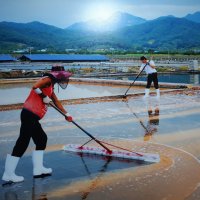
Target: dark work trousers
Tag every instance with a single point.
(30, 128)
(152, 77)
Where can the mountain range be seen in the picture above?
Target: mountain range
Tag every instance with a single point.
(121, 31)
(116, 21)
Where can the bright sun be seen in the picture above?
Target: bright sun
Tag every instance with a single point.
(100, 12)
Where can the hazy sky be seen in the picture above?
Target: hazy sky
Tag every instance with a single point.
(62, 13)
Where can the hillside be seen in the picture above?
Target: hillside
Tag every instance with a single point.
(160, 34)
(34, 34)
(163, 33)
(195, 17)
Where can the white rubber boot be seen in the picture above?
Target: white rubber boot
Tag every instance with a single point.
(10, 166)
(146, 93)
(38, 169)
(158, 93)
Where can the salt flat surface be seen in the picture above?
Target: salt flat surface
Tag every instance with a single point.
(173, 133)
(11, 94)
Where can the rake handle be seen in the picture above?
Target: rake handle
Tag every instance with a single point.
(91, 136)
(135, 79)
(96, 140)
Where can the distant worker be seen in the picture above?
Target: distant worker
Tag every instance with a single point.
(151, 72)
(34, 109)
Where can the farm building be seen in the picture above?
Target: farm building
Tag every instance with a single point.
(6, 58)
(63, 58)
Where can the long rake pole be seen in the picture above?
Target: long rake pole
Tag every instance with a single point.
(134, 80)
(91, 136)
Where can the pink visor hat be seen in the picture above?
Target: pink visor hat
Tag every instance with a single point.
(61, 75)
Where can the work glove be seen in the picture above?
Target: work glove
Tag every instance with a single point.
(68, 117)
(46, 100)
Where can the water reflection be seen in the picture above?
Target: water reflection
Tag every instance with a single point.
(73, 168)
(152, 110)
(96, 180)
(195, 79)
(166, 78)
(181, 111)
(10, 195)
(153, 120)
(11, 191)
(137, 117)
(38, 189)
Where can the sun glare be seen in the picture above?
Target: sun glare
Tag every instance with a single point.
(100, 12)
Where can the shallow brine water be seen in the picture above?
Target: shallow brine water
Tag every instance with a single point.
(166, 78)
(11, 94)
(169, 126)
